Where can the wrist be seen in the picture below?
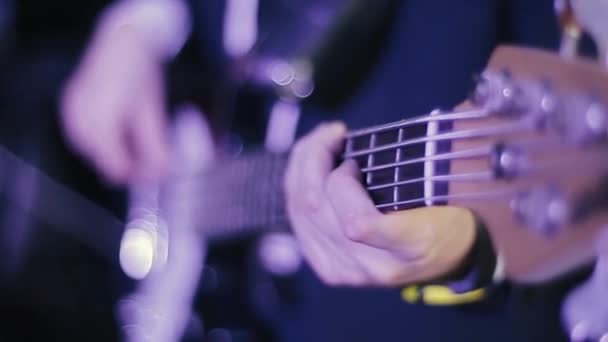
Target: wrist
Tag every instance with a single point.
(479, 270)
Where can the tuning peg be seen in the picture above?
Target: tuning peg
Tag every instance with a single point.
(582, 120)
(543, 210)
(508, 161)
(592, 14)
(498, 93)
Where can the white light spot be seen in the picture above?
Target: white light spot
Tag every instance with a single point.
(579, 332)
(279, 253)
(137, 253)
(240, 26)
(282, 73)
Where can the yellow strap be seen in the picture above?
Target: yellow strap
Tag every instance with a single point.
(437, 295)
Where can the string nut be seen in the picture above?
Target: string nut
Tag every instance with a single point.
(544, 210)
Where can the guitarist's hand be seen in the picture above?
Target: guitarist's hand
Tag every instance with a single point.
(347, 241)
(113, 106)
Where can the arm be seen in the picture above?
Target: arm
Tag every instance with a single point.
(113, 106)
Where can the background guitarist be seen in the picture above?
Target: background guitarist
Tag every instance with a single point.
(426, 59)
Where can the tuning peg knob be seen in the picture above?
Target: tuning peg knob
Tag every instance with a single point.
(583, 120)
(543, 210)
(508, 161)
(498, 93)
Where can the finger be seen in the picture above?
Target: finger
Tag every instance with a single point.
(421, 232)
(328, 136)
(149, 135)
(358, 220)
(310, 163)
(328, 260)
(110, 154)
(92, 128)
(354, 209)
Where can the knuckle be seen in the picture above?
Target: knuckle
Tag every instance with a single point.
(414, 252)
(419, 247)
(358, 229)
(336, 179)
(311, 200)
(335, 184)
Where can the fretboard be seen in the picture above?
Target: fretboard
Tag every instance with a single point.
(404, 165)
(396, 162)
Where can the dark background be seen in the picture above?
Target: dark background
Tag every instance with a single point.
(392, 59)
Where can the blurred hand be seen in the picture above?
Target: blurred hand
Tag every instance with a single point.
(347, 241)
(113, 106)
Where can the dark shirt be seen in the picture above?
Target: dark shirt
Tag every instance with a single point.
(431, 54)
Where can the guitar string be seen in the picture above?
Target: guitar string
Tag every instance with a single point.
(465, 177)
(275, 215)
(559, 168)
(488, 175)
(448, 156)
(447, 136)
(479, 195)
(472, 114)
(475, 152)
(537, 145)
(450, 136)
(565, 165)
(468, 153)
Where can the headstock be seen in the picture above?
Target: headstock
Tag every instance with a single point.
(584, 314)
(545, 199)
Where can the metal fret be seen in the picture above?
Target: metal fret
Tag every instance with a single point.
(430, 149)
(370, 159)
(397, 171)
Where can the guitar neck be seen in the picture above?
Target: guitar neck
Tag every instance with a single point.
(405, 164)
